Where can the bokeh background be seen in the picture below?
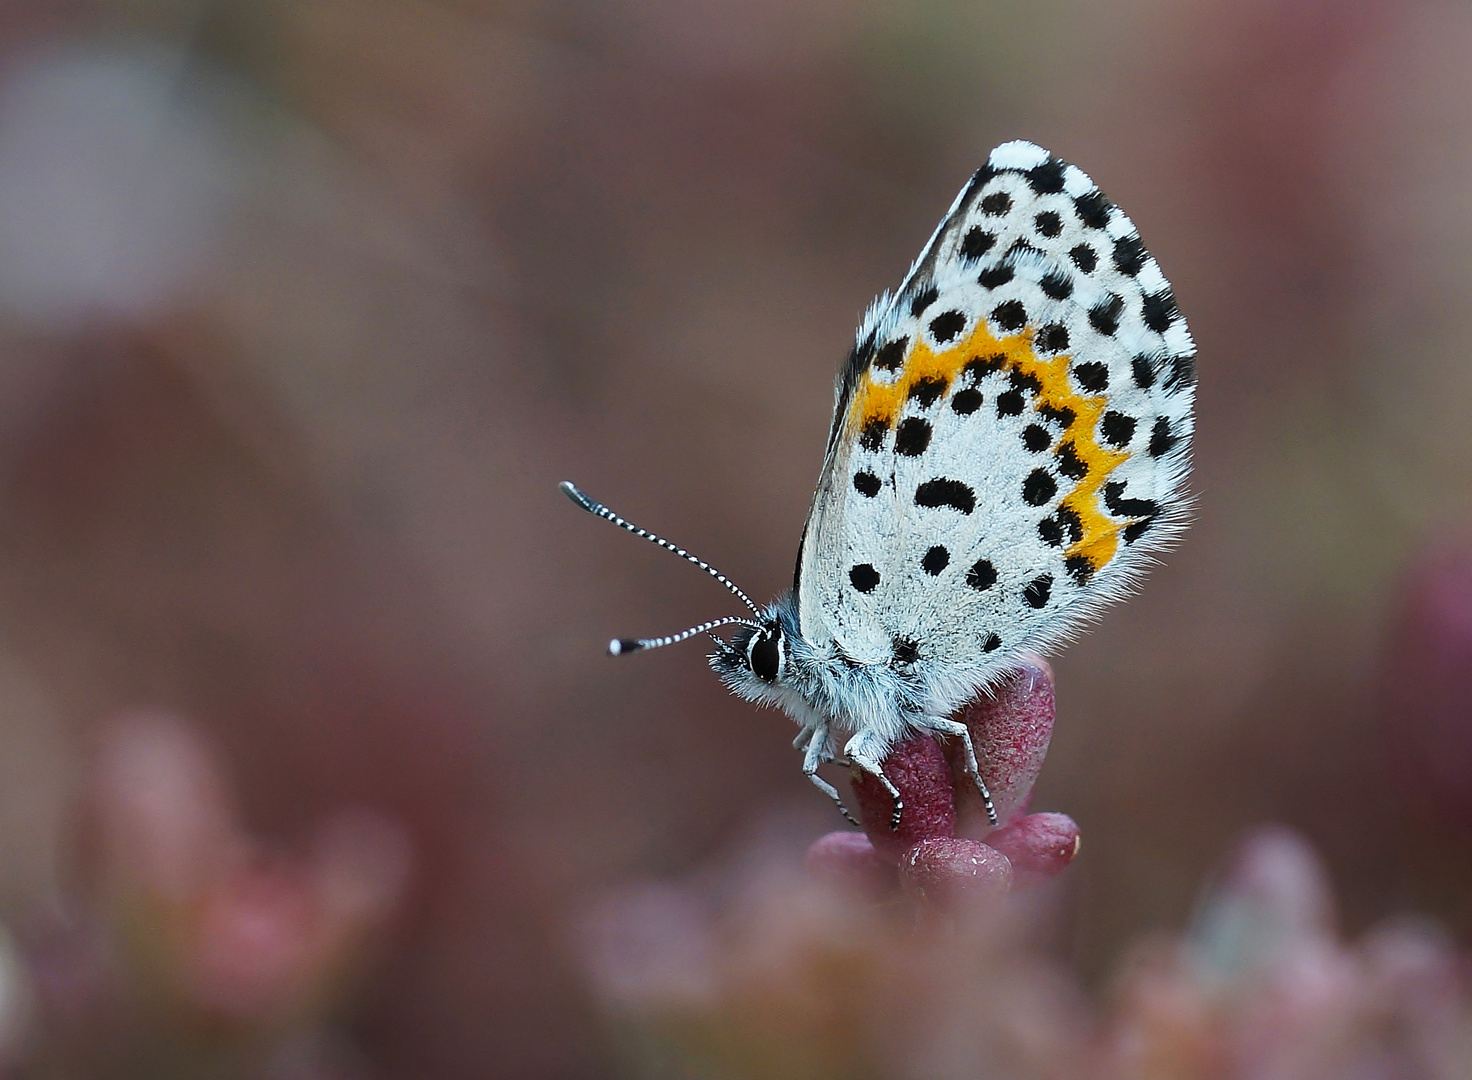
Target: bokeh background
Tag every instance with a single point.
(307, 305)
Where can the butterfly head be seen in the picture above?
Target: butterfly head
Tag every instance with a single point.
(762, 651)
(762, 661)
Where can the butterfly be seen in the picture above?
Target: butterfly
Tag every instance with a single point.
(1009, 446)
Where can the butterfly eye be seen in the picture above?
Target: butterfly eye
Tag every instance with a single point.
(764, 655)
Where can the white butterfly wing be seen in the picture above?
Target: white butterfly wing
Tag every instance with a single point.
(1011, 437)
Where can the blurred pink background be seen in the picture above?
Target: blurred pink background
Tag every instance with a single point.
(306, 307)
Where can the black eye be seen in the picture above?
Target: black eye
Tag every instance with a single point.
(765, 656)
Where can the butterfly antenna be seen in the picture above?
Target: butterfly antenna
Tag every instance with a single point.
(599, 510)
(619, 646)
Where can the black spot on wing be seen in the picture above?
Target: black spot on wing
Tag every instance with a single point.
(1182, 374)
(1063, 417)
(982, 575)
(1038, 590)
(1069, 463)
(1092, 376)
(966, 402)
(1135, 529)
(866, 484)
(1129, 255)
(924, 392)
(1036, 438)
(1117, 428)
(1064, 524)
(1104, 316)
(1010, 316)
(1022, 380)
(976, 243)
(1093, 209)
(982, 366)
(1085, 258)
(923, 300)
(1159, 310)
(1120, 506)
(1039, 487)
(1047, 178)
(891, 355)
(1145, 367)
(936, 560)
(1010, 403)
(872, 437)
(996, 204)
(1057, 285)
(912, 437)
(943, 493)
(994, 276)
(991, 643)
(1073, 525)
(1052, 338)
(1048, 223)
(1162, 439)
(945, 326)
(863, 577)
(1080, 568)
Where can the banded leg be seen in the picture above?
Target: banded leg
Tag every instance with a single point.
(958, 730)
(864, 751)
(813, 756)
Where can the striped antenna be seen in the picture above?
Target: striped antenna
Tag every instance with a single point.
(599, 510)
(619, 646)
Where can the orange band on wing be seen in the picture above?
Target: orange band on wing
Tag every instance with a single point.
(875, 402)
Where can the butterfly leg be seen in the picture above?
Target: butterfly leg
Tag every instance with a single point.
(958, 730)
(863, 751)
(813, 756)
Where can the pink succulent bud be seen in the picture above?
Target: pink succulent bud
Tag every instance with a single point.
(1039, 846)
(1011, 730)
(918, 767)
(947, 873)
(848, 859)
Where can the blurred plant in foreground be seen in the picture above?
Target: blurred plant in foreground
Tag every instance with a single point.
(920, 954)
(189, 948)
(1260, 985)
